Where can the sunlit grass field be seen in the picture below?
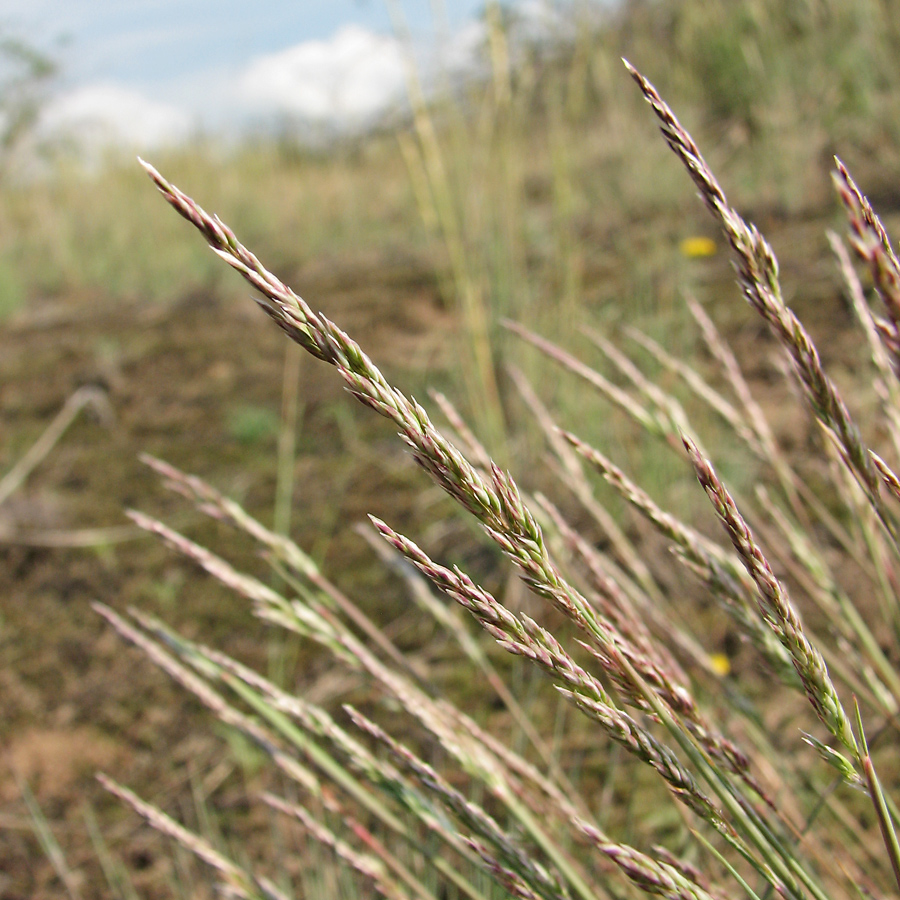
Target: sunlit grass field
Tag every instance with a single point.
(537, 203)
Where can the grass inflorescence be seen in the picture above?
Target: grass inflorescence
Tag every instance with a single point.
(444, 808)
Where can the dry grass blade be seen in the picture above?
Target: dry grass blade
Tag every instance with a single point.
(700, 387)
(475, 450)
(763, 440)
(616, 395)
(83, 397)
(731, 369)
(667, 412)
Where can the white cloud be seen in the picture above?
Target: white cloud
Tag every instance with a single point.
(344, 83)
(461, 54)
(97, 116)
(348, 80)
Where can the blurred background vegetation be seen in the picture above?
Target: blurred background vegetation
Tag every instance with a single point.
(540, 193)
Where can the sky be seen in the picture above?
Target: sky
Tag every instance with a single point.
(150, 72)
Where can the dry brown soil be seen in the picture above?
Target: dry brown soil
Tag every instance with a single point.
(73, 699)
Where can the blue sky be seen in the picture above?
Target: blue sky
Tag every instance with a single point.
(176, 51)
(145, 41)
(155, 71)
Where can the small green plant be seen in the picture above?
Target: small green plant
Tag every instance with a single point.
(755, 810)
(253, 424)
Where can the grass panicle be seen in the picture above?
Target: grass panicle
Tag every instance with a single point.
(616, 634)
(757, 269)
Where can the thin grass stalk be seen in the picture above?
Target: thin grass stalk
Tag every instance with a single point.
(212, 700)
(321, 596)
(373, 869)
(879, 548)
(240, 882)
(755, 417)
(622, 399)
(305, 619)
(700, 387)
(275, 707)
(480, 373)
(450, 620)
(779, 768)
(572, 475)
(652, 875)
(777, 864)
(879, 801)
(872, 244)
(569, 253)
(49, 844)
(475, 450)
(87, 395)
(115, 874)
(727, 865)
(668, 413)
(287, 440)
(279, 709)
(886, 385)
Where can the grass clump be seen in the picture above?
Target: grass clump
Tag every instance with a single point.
(441, 807)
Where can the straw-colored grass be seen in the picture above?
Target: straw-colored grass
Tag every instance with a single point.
(443, 807)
